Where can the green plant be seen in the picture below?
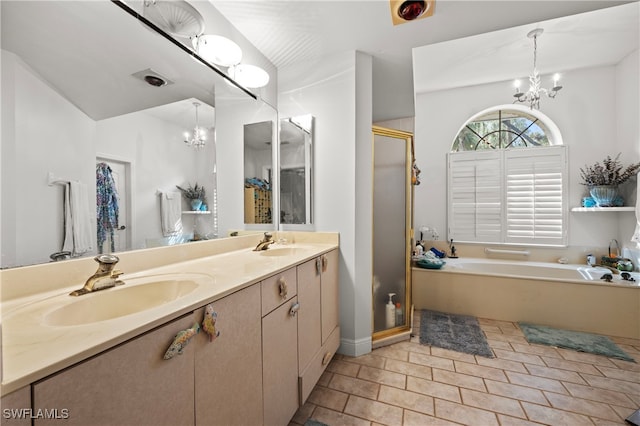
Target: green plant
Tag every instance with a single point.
(193, 192)
(609, 172)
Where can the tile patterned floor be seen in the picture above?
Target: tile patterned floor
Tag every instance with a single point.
(525, 384)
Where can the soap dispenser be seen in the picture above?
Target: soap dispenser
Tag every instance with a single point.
(390, 316)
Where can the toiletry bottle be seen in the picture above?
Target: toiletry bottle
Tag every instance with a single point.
(390, 313)
(398, 314)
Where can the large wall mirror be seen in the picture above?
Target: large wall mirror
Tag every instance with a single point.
(75, 96)
(296, 172)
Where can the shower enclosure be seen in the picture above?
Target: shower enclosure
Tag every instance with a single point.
(392, 223)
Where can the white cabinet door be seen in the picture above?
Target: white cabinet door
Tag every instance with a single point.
(280, 364)
(228, 369)
(129, 384)
(330, 293)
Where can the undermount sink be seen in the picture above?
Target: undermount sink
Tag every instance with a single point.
(136, 295)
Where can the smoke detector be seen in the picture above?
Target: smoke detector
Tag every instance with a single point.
(403, 11)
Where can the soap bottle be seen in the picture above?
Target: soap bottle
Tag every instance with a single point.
(398, 314)
(390, 313)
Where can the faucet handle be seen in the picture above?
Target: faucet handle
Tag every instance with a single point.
(107, 259)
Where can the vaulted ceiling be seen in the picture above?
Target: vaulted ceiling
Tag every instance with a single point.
(291, 31)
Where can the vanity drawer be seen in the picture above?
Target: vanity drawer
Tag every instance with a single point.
(278, 289)
(310, 376)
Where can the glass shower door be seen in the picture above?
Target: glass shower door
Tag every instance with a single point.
(391, 231)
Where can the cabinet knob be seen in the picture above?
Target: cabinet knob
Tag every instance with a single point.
(318, 265)
(282, 286)
(325, 262)
(294, 309)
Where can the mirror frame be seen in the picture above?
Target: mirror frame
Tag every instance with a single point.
(299, 121)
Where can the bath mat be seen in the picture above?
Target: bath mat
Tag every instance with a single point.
(576, 340)
(460, 333)
(312, 422)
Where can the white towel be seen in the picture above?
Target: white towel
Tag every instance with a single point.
(77, 222)
(171, 213)
(636, 235)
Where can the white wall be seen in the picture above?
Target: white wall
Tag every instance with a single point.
(586, 111)
(628, 131)
(231, 116)
(43, 132)
(336, 90)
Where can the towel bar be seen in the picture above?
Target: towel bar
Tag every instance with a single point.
(501, 251)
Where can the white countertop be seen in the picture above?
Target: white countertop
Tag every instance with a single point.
(33, 349)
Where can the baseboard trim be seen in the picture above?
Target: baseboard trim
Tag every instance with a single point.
(354, 348)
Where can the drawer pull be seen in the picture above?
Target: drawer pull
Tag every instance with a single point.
(282, 286)
(294, 309)
(181, 340)
(326, 358)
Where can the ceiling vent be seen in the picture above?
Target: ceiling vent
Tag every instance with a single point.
(152, 78)
(403, 11)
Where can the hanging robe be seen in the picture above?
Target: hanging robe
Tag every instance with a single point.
(106, 204)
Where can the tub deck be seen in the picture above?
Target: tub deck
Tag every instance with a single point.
(575, 304)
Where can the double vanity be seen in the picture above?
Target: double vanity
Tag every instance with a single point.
(98, 358)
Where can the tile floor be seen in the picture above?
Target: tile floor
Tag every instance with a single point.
(411, 384)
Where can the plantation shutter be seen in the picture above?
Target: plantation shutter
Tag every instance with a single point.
(475, 196)
(535, 196)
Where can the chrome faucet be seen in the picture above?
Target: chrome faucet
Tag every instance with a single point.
(265, 243)
(104, 277)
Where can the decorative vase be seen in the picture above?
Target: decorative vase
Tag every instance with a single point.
(195, 205)
(604, 195)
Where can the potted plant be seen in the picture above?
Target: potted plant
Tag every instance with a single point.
(195, 194)
(603, 179)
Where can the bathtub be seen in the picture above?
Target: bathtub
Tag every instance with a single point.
(565, 296)
(538, 270)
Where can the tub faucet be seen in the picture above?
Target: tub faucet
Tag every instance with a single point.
(104, 277)
(265, 242)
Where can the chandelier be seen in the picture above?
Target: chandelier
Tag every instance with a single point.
(535, 92)
(198, 136)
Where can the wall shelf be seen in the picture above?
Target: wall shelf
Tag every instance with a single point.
(603, 209)
(196, 212)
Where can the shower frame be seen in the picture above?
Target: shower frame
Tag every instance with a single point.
(401, 332)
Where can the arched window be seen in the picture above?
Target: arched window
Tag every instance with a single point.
(507, 179)
(505, 127)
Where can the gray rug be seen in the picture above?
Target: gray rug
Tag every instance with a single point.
(460, 333)
(576, 340)
(313, 422)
